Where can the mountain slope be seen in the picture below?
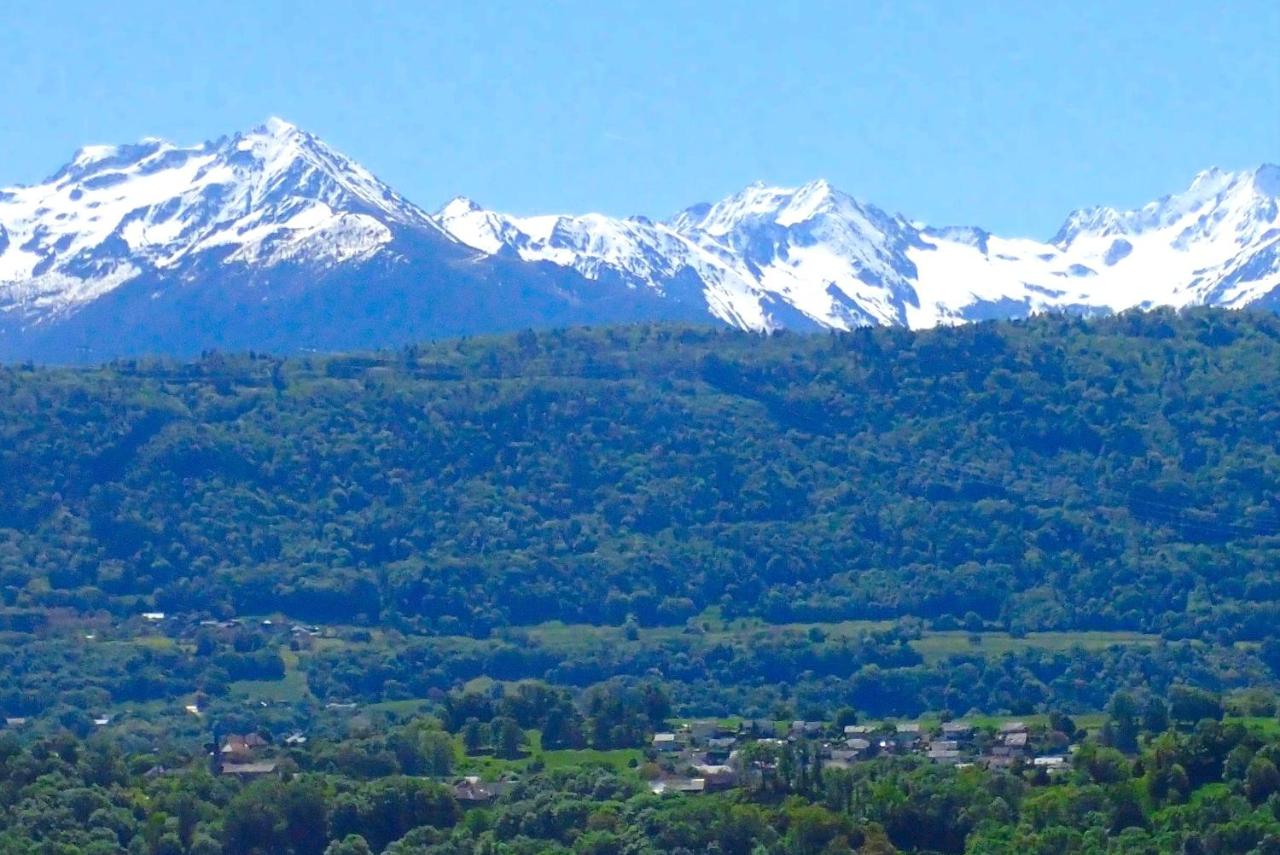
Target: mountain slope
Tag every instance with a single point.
(266, 239)
(771, 257)
(270, 239)
(259, 199)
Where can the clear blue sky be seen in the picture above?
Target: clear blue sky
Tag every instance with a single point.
(993, 113)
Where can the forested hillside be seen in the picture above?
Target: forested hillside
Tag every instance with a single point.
(1056, 474)
(1120, 475)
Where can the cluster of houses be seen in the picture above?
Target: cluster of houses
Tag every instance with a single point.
(705, 756)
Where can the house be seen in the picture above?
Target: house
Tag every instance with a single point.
(665, 742)
(907, 737)
(719, 749)
(1016, 740)
(701, 731)
(1003, 752)
(249, 770)
(716, 776)
(153, 617)
(1013, 727)
(843, 758)
(237, 746)
(861, 747)
(102, 721)
(861, 730)
(296, 738)
(1050, 763)
(663, 786)
(807, 728)
(472, 790)
(959, 731)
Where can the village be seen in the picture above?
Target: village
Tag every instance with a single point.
(706, 756)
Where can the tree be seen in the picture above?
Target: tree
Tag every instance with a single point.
(1121, 727)
(437, 753)
(255, 821)
(1270, 654)
(386, 809)
(1155, 715)
(473, 736)
(352, 844)
(1261, 780)
(846, 716)
(507, 737)
(306, 812)
(1188, 705)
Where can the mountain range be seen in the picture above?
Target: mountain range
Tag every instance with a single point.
(271, 240)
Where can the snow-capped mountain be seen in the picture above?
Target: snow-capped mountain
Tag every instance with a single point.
(270, 239)
(267, 239)
(814, 256)
(258, 199)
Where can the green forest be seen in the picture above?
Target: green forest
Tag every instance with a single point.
(519, 558)
(897, 521)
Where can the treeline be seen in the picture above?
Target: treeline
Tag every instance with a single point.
(793, 675)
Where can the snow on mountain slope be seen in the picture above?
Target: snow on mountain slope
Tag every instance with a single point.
(836, 261)
(636, 251)
(1206, 246)
(813, 255)
(272, 195)
(272, 235)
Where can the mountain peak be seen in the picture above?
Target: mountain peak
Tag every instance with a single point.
(457, 206)
(277, 127)
(275, 201)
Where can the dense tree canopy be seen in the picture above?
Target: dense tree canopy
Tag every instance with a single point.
(1057, 473)
(1117, 474)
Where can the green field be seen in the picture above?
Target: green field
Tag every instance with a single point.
(934, 646)
(292, 689)
(621, 760)
(937, 646)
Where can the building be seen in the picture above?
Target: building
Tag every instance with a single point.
(808, 729)
(700, 731)
(664, 786)
(716, 776)
(665, 742)
(249, 770)
(908, 737)
(471, 790)
(236, 748)
(1051, 763)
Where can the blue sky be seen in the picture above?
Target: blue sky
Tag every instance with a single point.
(993, 113)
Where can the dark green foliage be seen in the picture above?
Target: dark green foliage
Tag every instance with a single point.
(1057, 474)
(990, 473)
